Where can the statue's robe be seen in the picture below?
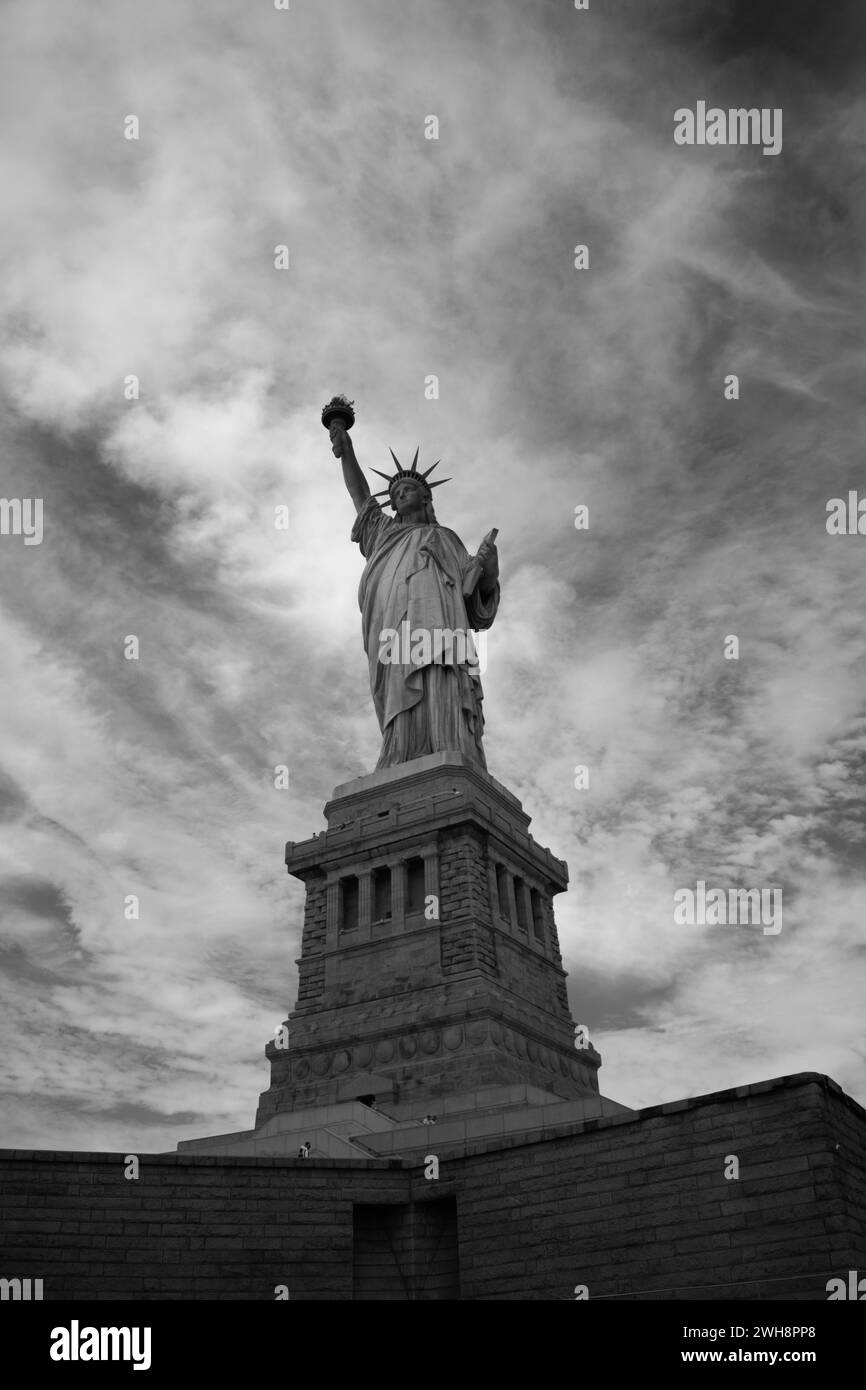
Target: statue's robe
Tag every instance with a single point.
(425, 701)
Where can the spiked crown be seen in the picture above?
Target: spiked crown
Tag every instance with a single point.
(412, 473)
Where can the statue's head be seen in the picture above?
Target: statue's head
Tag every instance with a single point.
(409, 492)
(411, 499)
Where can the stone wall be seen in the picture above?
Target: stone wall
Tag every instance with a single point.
(628, 1207)
(447, 1004)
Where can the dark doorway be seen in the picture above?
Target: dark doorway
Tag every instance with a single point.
(406, 1253)
(381, 895)
(349, 893)
(414, 885)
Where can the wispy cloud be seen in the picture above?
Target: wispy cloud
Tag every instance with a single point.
(557, 387)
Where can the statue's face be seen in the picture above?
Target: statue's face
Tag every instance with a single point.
(408, 499)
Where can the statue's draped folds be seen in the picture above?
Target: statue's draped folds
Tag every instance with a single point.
(414, 574)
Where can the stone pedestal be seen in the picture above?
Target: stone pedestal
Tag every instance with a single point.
(430, 965)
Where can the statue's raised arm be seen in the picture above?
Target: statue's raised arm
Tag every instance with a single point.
(422, 598)
(338, 417)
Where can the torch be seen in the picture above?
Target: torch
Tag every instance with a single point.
(338, 408)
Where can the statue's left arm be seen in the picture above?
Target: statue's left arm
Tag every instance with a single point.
(489, 557)
(482, 604)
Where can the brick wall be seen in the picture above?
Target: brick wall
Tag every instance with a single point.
(311, 980)
(644, 1205)
(402, 1253)
(315, 908)
(466, 938)
(198, 1227)
(627, 1207)
(841, 1181)
(465, 889)
(538, 985)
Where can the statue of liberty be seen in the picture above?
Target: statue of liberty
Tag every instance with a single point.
(421, 597)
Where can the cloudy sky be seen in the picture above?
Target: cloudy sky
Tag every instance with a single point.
(557, 387)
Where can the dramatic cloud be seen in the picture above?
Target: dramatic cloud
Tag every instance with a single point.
(558, 387)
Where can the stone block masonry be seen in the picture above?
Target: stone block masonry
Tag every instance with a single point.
(430, 964)
(632, 1207)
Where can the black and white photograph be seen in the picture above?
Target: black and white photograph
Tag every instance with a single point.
(433, 701)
